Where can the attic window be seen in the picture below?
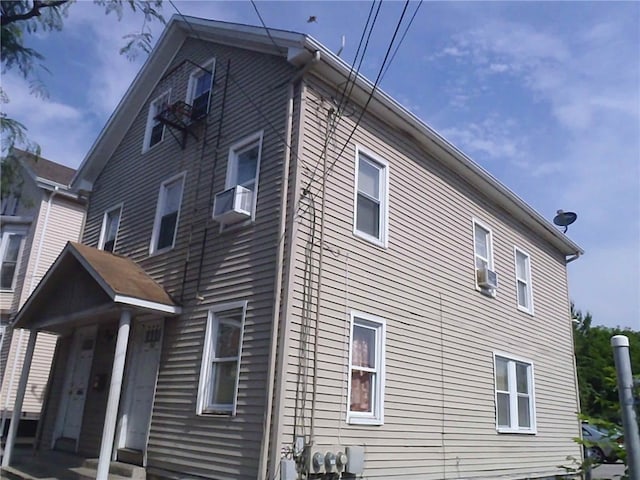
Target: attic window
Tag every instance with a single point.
(200, 87)
(155, 129)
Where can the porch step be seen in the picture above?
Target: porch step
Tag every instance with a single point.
(73, 473)
(117, 470)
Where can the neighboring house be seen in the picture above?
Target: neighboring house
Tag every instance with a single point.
(39, 215)
(265, 292)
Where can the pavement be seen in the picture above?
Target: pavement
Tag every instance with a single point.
(608, 472)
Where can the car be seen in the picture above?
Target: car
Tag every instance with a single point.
(602, 446)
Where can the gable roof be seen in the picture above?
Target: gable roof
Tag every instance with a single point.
(43, 170)
(92, 279)
(299, 49)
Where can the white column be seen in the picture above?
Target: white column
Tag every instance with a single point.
(17, 407)
(117, 373)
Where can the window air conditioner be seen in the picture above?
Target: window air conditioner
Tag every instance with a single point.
(487, 278)
(233, 205)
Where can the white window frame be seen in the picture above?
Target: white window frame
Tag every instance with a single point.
(376, 417)
(4, 242)
(158, 216)
(383, 185)
(527, 281)
(193, 78)
(232, 167)
(103, 230)
(513, 394)
(204, 385)
(150, 121)
(490, 261)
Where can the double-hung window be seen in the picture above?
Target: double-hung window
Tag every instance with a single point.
(244, 167)
(218, 389)
(515, 409)
(155, 128)
(199, 91)
(167, 214)
(371, 192)
(524, 290)
(10, 254)
(483, 249)
(109, 232)
(366, 370)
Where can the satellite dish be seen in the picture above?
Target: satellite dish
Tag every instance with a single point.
(564, 219)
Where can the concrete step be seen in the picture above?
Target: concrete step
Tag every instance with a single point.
(118, 469)
(85, 473)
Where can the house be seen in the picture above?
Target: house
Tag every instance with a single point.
(277, 283)
(39, 214)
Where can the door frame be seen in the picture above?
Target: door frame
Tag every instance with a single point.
(120, 439)
(76, 348)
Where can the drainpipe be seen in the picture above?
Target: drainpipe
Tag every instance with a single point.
(32, 285)
(277, 340)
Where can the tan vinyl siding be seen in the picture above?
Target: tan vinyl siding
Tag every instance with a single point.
(441, 333)
(238, 264)
(64, 224)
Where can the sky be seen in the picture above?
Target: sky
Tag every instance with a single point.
(543, 95)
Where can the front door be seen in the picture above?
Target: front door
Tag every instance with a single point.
(141, 384)
(76, 384)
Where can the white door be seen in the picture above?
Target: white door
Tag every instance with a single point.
(141, 384)
(76, 383)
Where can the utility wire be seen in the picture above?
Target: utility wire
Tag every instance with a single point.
(402, 39)
(355, 58)
(373, 91)
(255, 7)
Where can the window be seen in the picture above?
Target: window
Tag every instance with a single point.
(366, 370)
(244, 166)
(10, 254)
(370, 214)
(218, 389)
(110, 224)
(483, 248)
(155, 129)
(199, 92)
(9, 204)
(515, 412)
(167, 213)
(523, 281)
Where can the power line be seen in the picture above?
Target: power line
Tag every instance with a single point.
(373, 90)
(402, 39)
(255, 7)
(355, 58)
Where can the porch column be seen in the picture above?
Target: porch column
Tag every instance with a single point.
(108, 432)
(17, 407)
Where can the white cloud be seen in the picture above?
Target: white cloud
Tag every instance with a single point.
(582, 87)
(63, 131)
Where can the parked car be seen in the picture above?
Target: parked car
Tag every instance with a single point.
(603, 445)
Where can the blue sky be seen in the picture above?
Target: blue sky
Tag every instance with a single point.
(543, 95)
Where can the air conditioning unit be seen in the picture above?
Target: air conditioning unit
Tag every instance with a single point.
(487, 278)
(233, 205)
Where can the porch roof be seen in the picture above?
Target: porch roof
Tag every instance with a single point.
(85, 282)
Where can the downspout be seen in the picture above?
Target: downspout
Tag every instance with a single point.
(279, 336)
(31, 287)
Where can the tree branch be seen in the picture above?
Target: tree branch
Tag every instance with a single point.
(34, 12)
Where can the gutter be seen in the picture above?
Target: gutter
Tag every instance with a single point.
(280, 336)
